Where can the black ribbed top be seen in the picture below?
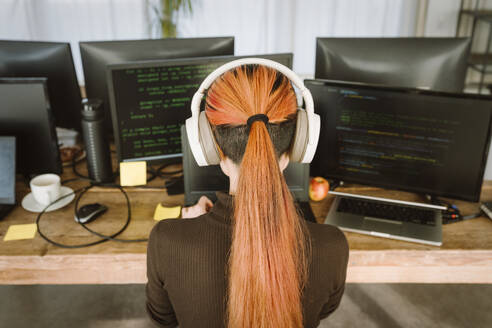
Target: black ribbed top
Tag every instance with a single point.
(187, 262)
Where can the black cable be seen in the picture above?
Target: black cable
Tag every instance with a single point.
(163, 174)
(162, 167)
(38, 219)
(104, 238)
(171, 172)
(80, 175)
(76, 155)
(146, 187)
(154, 174)
(74, 166)
(70, 180)
(334, 184)
(173, 181)
(472, 216)
(112, 237)
(169, 176)
(452, 214)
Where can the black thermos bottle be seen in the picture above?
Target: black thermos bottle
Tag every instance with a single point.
(96, 142)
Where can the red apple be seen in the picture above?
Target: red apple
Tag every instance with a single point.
(318, 188)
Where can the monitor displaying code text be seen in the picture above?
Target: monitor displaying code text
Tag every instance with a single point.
(152, 104)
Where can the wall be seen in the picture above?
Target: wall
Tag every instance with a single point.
(258, 26)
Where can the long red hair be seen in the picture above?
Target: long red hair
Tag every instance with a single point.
(269, 254)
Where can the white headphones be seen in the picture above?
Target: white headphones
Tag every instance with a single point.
(199, 131)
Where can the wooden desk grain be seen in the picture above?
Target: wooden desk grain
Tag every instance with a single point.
(465, 256)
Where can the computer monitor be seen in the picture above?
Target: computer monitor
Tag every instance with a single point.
(207, 180)
(428, 142)
(151, 100)
(7, 170)
(52, 60)
(428, 63)
(26, 114)
(98, 54)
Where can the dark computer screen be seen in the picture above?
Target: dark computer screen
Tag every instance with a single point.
(151, 100)
(431, 63)
(53, 61)
(207, 180)
(97, 55)
(7, 170)
(26, 114)
(423, 141)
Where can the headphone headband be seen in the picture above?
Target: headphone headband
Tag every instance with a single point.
(250, 61)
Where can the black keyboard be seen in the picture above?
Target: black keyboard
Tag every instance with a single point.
(394, 212)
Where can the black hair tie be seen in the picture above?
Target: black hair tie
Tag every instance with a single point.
(257, 117)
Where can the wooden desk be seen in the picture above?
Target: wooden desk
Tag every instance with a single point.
(465, 256)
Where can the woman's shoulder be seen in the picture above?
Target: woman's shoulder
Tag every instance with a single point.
(329, 256)
(177, 229)
(165, 226)
(326, 232)
(328, 238)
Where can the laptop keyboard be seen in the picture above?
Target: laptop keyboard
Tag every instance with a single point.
(386, 211)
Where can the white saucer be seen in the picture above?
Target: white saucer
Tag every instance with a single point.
(31, 205)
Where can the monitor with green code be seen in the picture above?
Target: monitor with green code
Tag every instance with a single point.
(151, 100)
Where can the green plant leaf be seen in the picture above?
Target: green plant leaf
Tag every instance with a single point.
(167, 15)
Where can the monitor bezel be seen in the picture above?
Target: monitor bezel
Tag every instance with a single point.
(161, 63)
(58, 169)
(58, 49)
(93, 62)
(357, 85)
(126, 41)
(353, 40)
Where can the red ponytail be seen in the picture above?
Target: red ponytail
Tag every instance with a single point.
(268, 257)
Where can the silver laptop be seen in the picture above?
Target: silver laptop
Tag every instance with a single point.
(381, 217)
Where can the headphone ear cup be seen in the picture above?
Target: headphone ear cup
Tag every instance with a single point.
(299, 143)
(207, 140)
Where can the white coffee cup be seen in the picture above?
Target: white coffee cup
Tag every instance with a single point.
(45, 188)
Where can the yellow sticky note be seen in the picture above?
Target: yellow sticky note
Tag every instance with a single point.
(162, 212)
(133, 173)
(21, 231)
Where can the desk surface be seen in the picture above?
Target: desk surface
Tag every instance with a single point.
(464, 257)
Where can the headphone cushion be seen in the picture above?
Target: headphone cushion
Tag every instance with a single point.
(207, 140)
(299, 143)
